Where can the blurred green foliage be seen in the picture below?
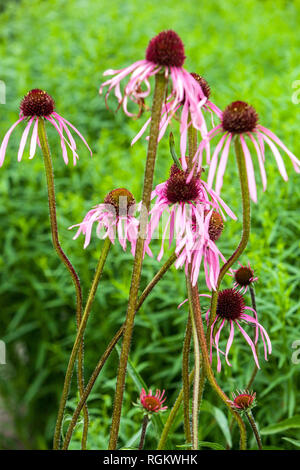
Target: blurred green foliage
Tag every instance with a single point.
(246, 50)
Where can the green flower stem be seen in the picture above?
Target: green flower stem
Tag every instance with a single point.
(143, 433)
(79, 336)
(54, 230)
(255, 368)
(254, 428)
(155, 280)
(246, 229)
(195, 410)
(109, 349)
(185, 381)
(159, 94)
(196, 311)
(90, 385)
(171, 418)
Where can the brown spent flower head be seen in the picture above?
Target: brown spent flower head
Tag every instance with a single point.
(37, 103)
(121, 205)
(178, 190)
(166, 49)
(216, 226)
(239, 117)
(203, 83)
(230, 304)
(244, 276)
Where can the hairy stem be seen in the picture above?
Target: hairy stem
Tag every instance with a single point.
(143, 433)
(185, 380)
(56, 243)
(79, 336)
(254, 428)
(109, 350)
(255, 368)
(207, 366)
(159, 94)
(195, 410)
(240, 159)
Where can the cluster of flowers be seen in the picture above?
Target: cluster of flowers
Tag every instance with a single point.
(190, 211)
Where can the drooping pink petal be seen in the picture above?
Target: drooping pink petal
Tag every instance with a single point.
(6, 139)
(24, 139)
(249, 169)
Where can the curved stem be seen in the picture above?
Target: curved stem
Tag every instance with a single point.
(109, 349)
(79, 336)
(207, 366)
(185, 380)
(90, 385)
(254, 429)
(171, 418)
(54, 230)
(143, 433)
(159, 93)
(246, 228)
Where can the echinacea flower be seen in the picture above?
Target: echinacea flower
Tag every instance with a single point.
(231, 310)
(243, 401)
(180, 205)
(240, 120)
(164, 54)
(243, 277)
(201, 246)
(37, 104)
(152, 403)
(114, 215)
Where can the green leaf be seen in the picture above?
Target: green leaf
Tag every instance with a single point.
(290, 423)
(220, 417)
(211, 445)
(292, 441)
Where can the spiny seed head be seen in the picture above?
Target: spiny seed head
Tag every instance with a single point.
(166, 49)
(151, 403)
(216, 226)
(230, 304)
(244, 276)
(239, 117)
(244, 400)
(178, 190)
(120, 199)
(37, 103)
(203, 83)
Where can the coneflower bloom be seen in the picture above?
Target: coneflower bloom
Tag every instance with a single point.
(114, 217)
(180, 205)
(243, 400)
(152, 403)
(37, 104)
(238, 121)
(231, 310)
(164, 54)
(201, 246)
(243, 277)
(185, 119)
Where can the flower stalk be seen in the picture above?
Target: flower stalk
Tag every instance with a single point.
(159, 94)
(143, 433)
(185, 380)
(254, 428)
(56, 243)
(79, 336)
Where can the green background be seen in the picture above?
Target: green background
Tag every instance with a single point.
(246, 50)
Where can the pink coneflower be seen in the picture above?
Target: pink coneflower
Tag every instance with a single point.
(37, 104)
(238, 121)
(153, 403)
(243, 277)
(182, 204)
(243, 400)
(114, 215)
(201, 246)
(231, 310)
(164, 54)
